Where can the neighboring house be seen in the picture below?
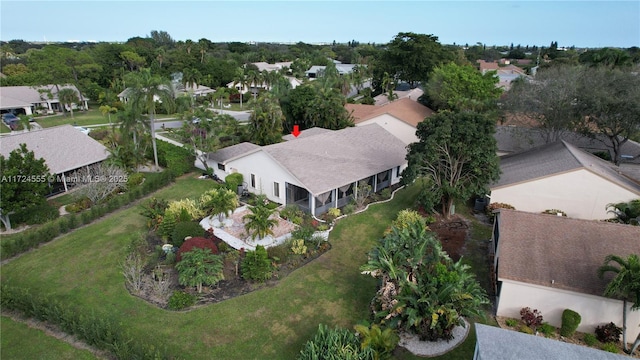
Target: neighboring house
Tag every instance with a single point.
(506, 74)
(64, 149)
(514, 139)
(254, 88)
(317, 171)
(264, 66)
(177, 88)
(400, 117)
(550, 263)
(494, 343)
(30, 100)
(561, 176)
(316, 71)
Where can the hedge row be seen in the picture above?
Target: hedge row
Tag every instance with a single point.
(29, 239)
(177, 160)
(98, 330)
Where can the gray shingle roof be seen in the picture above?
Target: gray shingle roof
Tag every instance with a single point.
(62, 147)
(329, 160)
(499, 344)
(306, 133)
(12, 97)
(232, 152)
(556, 158)
(539, 248)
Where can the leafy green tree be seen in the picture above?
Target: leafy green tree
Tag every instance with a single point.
(68, 97)
(549, 101)
(610, 57)
(24, 182)
(265, 122)
(422, 289)
(219, 202)
(133, 60)
(259, 222)
(144, 90)
(625, 285)
(456, 153)
(626, 212)
(199, 267)
(462, 87)
(608, 101)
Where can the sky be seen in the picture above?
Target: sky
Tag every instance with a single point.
(570, 23)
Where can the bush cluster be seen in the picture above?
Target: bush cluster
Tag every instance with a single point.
(256, 265)
(26, 240)
(180, 300)
(99, 330)
(531, 318)
(184, 229)
(177, 160)
(232, 181)
(197, 242)
(608, 333)
(38, 214)
(337, 343)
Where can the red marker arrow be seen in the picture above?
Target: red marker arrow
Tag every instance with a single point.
(296, 130)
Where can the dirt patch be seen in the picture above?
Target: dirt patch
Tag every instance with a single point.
(452, 233)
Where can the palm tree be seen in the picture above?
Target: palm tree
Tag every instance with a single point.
(240, 79)
(259, 223)
(254, 78)
(144, 90)
(265, 122)
(626, 285)
(190, 78)
(108, 110)
(626, 213)
(219, 202)
(68, 96)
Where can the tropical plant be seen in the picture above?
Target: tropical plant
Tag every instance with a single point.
(68, 97)
(256, 265)
(608, 333)
(626, 285)
(265, 122)
(259, 222)
(198, 267)
(335, 344)
(144, 90)
(219, 202)
(381, 341)
(531, 318)
(626, 212)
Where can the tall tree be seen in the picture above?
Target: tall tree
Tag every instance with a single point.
(548, 102)
(459, 87)
(456, 154)
(144, 90)
(68, 97)
(608, 101)
(24, 182)
(265, 122)
(625, 285)
(240, 78)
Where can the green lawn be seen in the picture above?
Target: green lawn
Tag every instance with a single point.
(18, 341)
(273, 323)
(84, 118)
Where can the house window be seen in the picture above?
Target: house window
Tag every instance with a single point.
(276, 189)
(398, 171)
(221, 167)
(253, 181)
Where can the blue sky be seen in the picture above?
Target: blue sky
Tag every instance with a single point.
(579, 23)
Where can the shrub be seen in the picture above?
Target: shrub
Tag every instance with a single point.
(280, 252)
(184, 229)
(608, 333)
(291, 211)
(256, 265)
(525, 329)
(547, 329)
(511, 322)
(589, 339)
(135, 179)
(305, 233)
(180, 300)
(570, 322)
(176, 159)
(298, 247)
(531, 318)
(232, 181)
(337, 343)
(197, 242)
(78, 205)
(200, 267)
(610, 347)
(223, 247)
(381, 341)
(385, 193)
(349, 208)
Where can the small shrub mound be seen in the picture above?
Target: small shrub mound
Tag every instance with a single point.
(610, 347)
(197, 242)
(570, 322)
(256, 265)
(511, 322)
(184, 229)
(531, 318)
(180, 300)
(590, 339)
(608, 333)
(547, 329)
(232, 181)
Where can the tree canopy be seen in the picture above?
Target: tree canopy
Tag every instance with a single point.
(456, 155)
(25, 182)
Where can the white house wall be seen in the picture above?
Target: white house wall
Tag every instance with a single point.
(395, 126)
(581, 194)
(594, 310)
(266, 171)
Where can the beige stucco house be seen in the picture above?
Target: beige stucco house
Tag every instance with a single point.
(400, 117)
(30, 100)
(319, 169)
(550, 263)
(561, 176)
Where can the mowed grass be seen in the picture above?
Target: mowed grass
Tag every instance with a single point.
(273, 323)
(19, 341)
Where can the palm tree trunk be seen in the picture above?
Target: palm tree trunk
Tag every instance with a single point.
(153, 142)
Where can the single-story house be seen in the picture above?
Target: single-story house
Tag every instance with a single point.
(264, 66)
(316, 71)
(65, 149)
(506, 74)
(30, 100)
(550, 263)
(400, 117)
(316, 171)
(494, 343)
(561, 176)
(261, 86)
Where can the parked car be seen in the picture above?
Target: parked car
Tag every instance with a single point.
(9, 118)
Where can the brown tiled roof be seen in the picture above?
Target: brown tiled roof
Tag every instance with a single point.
(63, 148)
(407, 110)
(540, 249)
